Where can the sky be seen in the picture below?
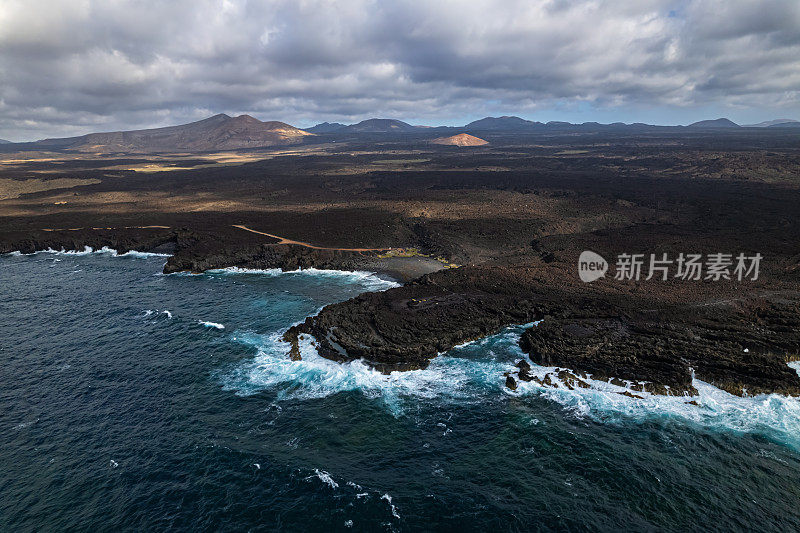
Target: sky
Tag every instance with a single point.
(77, 66)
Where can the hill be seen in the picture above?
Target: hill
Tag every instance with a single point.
(504, 123)
(326, 127)
(718, 123)
(3, 141)
(790, 124)
(462, 139)
(220, 132)
(777, 122)
(379, 125)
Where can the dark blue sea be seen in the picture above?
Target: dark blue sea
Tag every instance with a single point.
(131, 400)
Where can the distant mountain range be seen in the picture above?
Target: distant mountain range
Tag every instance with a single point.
(511, 124)
(3, 141)
(223, 132)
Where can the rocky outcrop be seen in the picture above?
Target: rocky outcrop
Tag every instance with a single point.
(265, 256)
(200, 251)
(404, 328)
(121, 240)
(741, 347)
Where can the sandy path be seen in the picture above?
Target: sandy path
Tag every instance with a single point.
(283, 240)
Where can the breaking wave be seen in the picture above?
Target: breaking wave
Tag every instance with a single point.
(316, 377)
(472, 371)
(89, 250)
(369, 280)
(774, 416)
(324, 477)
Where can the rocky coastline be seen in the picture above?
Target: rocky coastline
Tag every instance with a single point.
(741, 347)
(657, 346)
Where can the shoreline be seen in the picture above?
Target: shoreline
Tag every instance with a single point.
(437, 308)
(399, 274)
(543, 377)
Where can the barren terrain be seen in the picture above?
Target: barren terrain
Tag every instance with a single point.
(485, 236)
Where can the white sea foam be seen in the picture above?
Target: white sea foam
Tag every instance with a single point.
(393, 509)
(24, 425)
(86, 251)
(316, 377)
(468, 373)
(771, 415)
(89, 250)
(238, 270)
(371, 280)
(325, 478)
(156, 312)
(211, 324)
(134, 253)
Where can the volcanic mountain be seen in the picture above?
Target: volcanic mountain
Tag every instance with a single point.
(462, 139)
(779, 122)
(505, 123)
(220, 132)
(718, 123)
(379, 125)
(326, 127)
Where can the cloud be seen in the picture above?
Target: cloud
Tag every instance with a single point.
(67, 67)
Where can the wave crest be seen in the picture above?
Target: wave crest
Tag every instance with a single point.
(89, 250)
(474, 370)
(370, 280)
(316, 377)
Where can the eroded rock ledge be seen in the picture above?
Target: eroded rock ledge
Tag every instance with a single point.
(740, 346)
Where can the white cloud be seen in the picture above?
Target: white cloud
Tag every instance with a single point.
(69, 65)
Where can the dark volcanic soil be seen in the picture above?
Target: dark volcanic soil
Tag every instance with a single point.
(514, 216)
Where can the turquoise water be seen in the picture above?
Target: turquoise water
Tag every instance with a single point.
(133, 400)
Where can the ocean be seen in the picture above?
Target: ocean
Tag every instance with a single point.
(132, 400)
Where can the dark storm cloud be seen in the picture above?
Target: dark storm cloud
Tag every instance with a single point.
(67, 67)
